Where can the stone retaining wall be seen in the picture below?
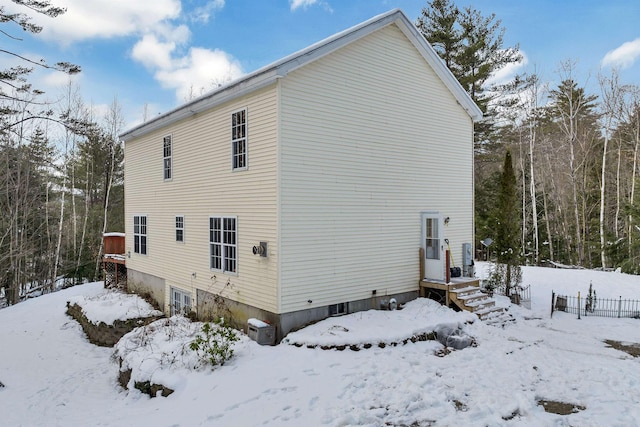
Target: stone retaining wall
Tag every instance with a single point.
(153, 390)
(106, 335)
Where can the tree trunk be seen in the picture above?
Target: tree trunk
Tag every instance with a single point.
(532, 187)
(616, 218)
(636, 146)
(86, 218)
(546, 222)
(603, 183)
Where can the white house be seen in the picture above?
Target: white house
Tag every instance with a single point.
(307, 188)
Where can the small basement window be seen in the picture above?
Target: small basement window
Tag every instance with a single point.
(338, 309)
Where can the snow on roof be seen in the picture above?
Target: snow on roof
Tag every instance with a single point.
(113, 234)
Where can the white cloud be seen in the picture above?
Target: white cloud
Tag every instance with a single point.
(295, 4)
(155, 50)
(623, 56)
(198, 71)
(189, 72)
(203, 13)
(162, 45)
(56, 79)
(304, 4)
(508, 72)
(153, 53)
(106, 18)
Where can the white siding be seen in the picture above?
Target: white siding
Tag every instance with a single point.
(370, 137)
(203, 185)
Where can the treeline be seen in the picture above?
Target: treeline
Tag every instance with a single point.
(61, 187)
(575, 153)
(575, 157)
(61, 172)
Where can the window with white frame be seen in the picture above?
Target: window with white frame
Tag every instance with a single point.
(432, 244)
(223, 246)
(180, 302)
(140, 234)
(239, 139)
(180, 228)
(167, 150)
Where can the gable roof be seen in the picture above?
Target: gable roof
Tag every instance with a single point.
(279, 69)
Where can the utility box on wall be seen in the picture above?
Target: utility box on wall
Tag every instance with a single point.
(261, 332)
(467, 260)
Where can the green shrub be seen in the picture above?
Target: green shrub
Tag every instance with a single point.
(214, 346)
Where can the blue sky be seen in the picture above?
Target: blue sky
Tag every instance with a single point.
(159, 52)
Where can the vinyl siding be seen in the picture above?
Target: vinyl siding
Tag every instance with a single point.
(370, 138)
(204, 185)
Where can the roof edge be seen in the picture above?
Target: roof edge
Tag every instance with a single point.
(271, 73)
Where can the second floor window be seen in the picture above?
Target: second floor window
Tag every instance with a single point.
(167, 157)
(180, 228)
(239, 140)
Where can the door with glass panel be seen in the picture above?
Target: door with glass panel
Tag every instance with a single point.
(432, 241)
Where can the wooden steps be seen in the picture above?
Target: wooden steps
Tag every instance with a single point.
(468, 296)
(465, 294)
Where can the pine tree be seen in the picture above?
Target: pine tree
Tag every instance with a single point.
(575, 120)
(438, 26)
(507, 223)
(470, 44)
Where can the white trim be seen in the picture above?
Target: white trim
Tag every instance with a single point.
(183, 293)
(279, 198)
(146, 235)
(175, 236)
(433, 263)
(269, 74)
(222, 244)
(170, 157)
(246, 140)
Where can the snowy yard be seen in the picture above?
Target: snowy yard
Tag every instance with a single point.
(53, 376)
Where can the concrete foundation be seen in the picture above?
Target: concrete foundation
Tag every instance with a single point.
(147, 285)
(210, 306)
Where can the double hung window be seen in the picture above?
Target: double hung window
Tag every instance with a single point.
(179, 228)
(223, 244)
(140, 234)
(239, 140)
(167, 158)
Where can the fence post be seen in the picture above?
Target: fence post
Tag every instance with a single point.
(553, 299)
(578, 305)
(619, 306)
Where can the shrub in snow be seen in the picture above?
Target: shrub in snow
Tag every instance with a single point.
(214, 346)
(503, 276)
(151, 355)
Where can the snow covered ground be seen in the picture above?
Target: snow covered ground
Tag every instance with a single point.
(53, 376)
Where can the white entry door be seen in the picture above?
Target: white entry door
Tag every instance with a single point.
(432, 243)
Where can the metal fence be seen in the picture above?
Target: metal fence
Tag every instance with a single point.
(601, 307)
(520, 295)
